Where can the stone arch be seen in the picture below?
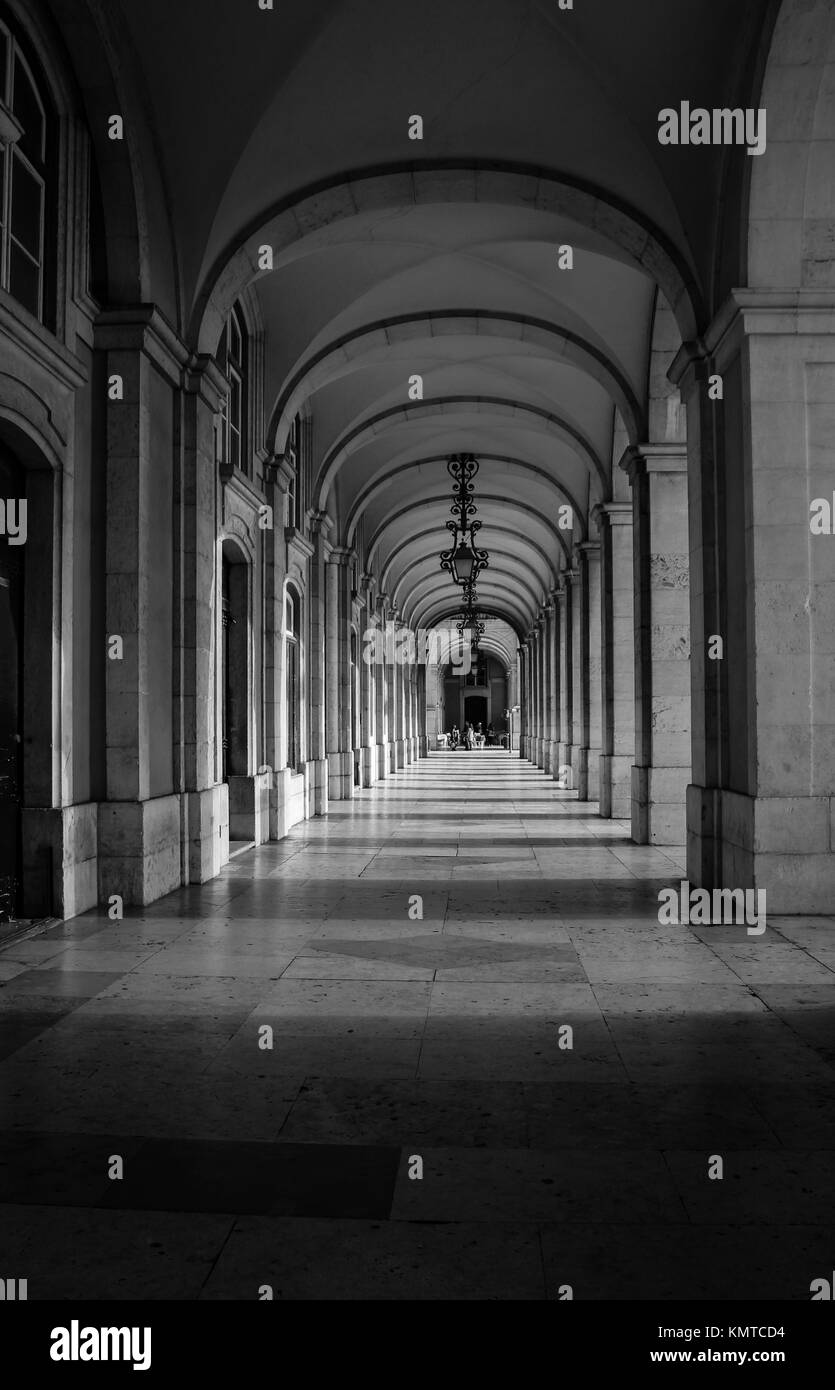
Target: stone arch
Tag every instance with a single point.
(407, 185)
(377, 485)
(368, 428)
(431, 534)
(561, 343)
(444, 498)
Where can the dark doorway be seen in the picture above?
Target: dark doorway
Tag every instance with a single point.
(234, 662)
(12, 491)
(475, 711)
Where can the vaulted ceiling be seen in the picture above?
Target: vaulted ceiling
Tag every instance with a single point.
(439, 258)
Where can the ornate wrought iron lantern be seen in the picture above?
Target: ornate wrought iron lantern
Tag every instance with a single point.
(464, 560)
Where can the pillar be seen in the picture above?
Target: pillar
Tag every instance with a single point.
(761, 452)
(339, 692)
(566, 678)
(368, 703)
(658, 477)
(579, 676)
(524, 712)
(590, 551)
(542, 650)
(553, 708)
(316, 792)
(205, 798)
(140, 824)
(617, 659)
(382, 708)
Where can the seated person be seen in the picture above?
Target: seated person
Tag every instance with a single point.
(491, 736)
(479, 737)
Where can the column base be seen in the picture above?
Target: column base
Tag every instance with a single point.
(381, 754)
(392, 756)
(139, 849)
(249, 807)
(593, 774)
(399, 753)
(659, 805)
(368, 766)
(341, 776)
(779, 844)
(316, 788)
(60, 860)
(580, 772)
(287, 801)
(616, 786)
(206, 832)
(565, 770)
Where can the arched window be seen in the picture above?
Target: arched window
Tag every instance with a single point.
(27, 132)
(294, 458)
(232, 357)
(292, 678)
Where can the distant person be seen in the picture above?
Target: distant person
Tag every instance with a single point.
(469, 738)
(455, 737)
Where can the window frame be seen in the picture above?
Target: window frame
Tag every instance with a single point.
(233, 423)
(14, 156)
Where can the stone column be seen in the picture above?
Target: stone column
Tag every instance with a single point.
(524, 716)
(316, 791)
(542, 648)
(206, 804)
(416, 669)
(580, 680)
(548, 699)
(139, 825)
(591, 557)
(339, 692)
(618, 660)
(658, 476)
(423, 737)
(391, 688)
(566, 677)
(536, 681)
(399, 697)
(761, 811)
(554, 682)
(406, 673)
(368, 704)
(530, 686)
(382, 708)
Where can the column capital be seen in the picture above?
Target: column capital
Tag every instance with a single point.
(591, 549)
(281, 472)
(142, 328)
(615, 513)
(342, 555)
(639, 460)
(320, 523)
(202, 377)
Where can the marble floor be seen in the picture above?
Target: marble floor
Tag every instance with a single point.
(270, 1055)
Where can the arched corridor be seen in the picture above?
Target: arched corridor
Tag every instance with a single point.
(416, 590)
